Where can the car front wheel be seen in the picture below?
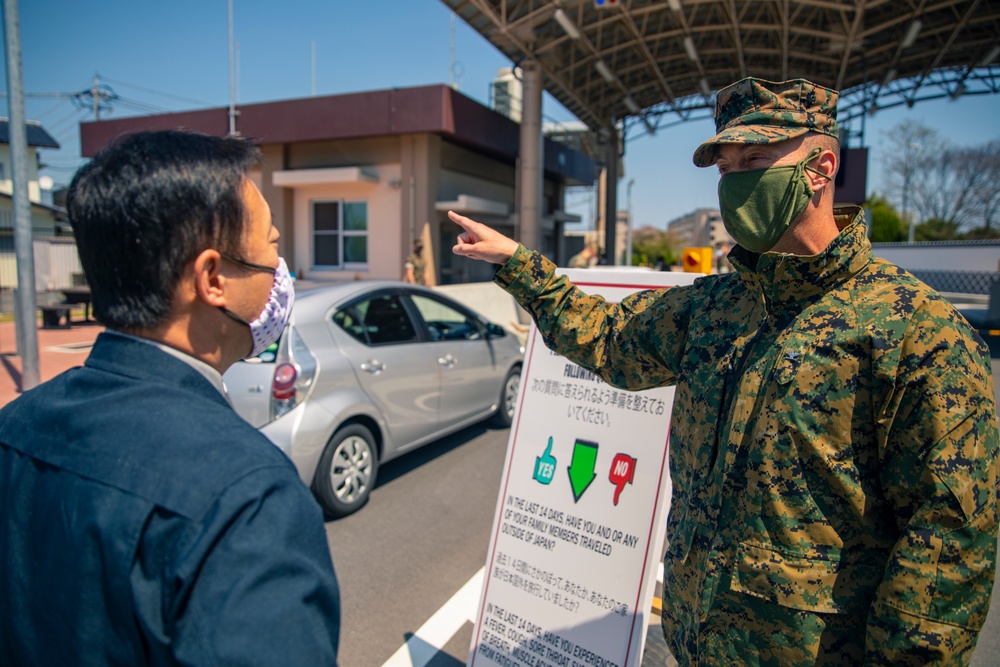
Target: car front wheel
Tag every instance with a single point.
(346, 471)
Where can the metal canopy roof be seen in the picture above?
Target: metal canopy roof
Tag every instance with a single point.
(659, 62)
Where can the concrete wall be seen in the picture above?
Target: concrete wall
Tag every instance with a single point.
(420, 179)
(342, 153)
(281, 200)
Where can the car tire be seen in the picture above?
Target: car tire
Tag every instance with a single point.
(504, 415)
(346, 472)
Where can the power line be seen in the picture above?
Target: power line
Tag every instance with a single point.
(50, 109)
(59, 125)
(155, 92)
(137, 104)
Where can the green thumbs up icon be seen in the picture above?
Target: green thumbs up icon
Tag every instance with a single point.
(545, 465)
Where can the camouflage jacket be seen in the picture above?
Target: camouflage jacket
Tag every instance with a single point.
(833, 452)
(578, 261)
(419, 266)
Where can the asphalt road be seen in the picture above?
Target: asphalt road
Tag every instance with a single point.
(422, 535)
(425, 533)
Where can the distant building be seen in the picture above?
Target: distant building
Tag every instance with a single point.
(37, 138)
(352, 180)
(507, 93)
(701, 228)
(47, 220)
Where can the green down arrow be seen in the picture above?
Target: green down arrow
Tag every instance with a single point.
(581, 467)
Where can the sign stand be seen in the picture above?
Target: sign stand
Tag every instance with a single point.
(581, 516)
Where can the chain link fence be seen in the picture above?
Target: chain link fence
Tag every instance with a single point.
(958, 282)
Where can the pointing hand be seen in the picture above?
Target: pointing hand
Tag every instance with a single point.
(477, 241)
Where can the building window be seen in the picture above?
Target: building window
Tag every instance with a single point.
(340, 234)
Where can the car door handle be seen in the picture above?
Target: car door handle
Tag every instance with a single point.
(373, 366)
(447, 361)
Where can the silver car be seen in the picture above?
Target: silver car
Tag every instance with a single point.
(367, 371)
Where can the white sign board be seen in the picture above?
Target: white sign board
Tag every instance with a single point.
(580, 520)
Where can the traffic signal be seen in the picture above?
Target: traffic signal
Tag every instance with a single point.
(697, 260)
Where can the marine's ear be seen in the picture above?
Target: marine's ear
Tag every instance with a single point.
(823, 169)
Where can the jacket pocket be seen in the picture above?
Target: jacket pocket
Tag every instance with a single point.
(833, 586)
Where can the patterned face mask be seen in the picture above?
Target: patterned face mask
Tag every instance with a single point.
(758, 205)
(267, 327)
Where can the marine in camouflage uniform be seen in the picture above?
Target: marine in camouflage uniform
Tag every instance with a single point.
(833, 449)
(415, 267)
(583, 259)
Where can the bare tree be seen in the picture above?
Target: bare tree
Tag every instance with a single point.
(911, 146)
(931, 180)
(944, 187)
(978, 168)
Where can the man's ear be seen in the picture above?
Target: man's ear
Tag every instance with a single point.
(825, 163)
(209, 283)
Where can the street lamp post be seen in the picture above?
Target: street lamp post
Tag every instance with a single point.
(628, 229)
(908, 169)
(906, 213)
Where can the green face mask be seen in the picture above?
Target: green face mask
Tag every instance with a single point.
(758, 205)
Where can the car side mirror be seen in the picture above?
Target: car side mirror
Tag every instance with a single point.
(494, 330)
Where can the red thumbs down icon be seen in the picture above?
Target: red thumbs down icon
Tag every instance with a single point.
(622, 473)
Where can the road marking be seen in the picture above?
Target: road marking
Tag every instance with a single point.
(430, 639)
(432, 636)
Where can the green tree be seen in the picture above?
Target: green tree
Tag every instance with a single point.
(650, 244)
(936, 229)
(886, 225)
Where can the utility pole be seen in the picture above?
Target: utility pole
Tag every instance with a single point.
(312, 62)
(24, 307)
(95, 97)
(232, 75)
(451, 54)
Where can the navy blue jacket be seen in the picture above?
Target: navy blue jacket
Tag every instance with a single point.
(145, 523)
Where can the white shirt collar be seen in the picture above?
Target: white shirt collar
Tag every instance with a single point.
(207, 371)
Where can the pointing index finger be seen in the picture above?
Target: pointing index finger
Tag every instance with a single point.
(459, 220)
(468, 225)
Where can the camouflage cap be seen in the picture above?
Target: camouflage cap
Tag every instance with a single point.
(755, 111)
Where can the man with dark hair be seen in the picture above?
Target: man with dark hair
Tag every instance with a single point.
(145, 523)
(833, 445)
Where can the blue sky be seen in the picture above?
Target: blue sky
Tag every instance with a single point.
(173, 56)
